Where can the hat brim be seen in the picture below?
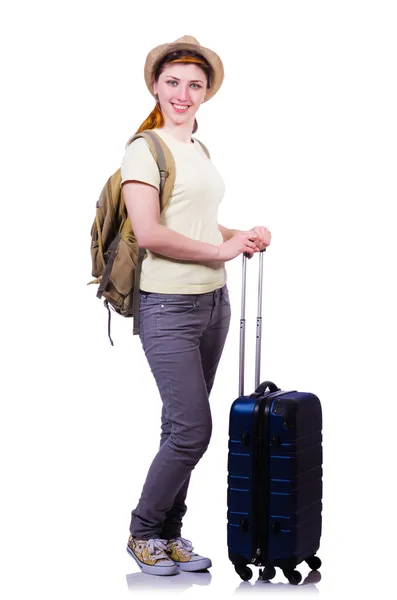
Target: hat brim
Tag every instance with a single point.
(158, 53)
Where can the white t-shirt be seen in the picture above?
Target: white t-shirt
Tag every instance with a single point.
(192, 211)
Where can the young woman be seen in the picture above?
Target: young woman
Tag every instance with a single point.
(184, 301)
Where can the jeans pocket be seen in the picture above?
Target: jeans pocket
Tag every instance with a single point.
(176, 306)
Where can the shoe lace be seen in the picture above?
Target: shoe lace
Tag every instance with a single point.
(184, 544)
(157, 548)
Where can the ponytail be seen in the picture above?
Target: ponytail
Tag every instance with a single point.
(155, 119)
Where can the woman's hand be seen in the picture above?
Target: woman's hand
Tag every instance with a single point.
(262, 237)
(241, 241)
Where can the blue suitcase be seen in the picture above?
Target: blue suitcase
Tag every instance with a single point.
(274, 495)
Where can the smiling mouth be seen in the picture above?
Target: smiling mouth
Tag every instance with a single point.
(180, 107)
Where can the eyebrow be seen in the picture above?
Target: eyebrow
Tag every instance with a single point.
(191, 81)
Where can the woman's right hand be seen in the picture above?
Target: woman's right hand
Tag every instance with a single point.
(243, 241)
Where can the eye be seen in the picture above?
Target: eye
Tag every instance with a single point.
(174, 81)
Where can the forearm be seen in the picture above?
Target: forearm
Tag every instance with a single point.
(227, 233)
(175, 245)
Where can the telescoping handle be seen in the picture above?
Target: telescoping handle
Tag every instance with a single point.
(258, 324)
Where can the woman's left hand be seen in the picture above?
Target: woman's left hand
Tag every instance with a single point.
(264, 237)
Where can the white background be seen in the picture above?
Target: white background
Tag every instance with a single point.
(303, 131)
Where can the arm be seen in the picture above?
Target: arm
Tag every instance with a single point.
(227, 233)
(143, 208)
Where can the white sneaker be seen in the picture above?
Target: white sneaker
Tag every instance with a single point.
(151, 556)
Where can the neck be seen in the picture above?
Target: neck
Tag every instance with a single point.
(182, 133)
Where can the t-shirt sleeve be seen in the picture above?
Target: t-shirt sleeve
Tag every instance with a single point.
(138, 164)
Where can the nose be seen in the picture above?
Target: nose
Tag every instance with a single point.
(183, 94)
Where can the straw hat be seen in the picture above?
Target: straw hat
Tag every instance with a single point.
(187, 42)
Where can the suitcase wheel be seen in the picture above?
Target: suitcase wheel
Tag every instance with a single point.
(293, 577)
(244, 572)
(314, 563)
(267, 573)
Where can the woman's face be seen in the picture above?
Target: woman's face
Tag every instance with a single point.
(181, 86)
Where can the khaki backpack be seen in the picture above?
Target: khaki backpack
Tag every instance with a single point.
(116, 257)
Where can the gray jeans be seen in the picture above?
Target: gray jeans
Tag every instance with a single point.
(183, 336)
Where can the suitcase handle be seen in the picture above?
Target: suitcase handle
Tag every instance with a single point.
(266, 384)
(258, 324)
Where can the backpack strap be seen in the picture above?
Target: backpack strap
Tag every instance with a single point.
(166, 164)
(204, 147)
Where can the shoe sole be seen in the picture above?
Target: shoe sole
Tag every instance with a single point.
(196, 565)
(151, 569)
